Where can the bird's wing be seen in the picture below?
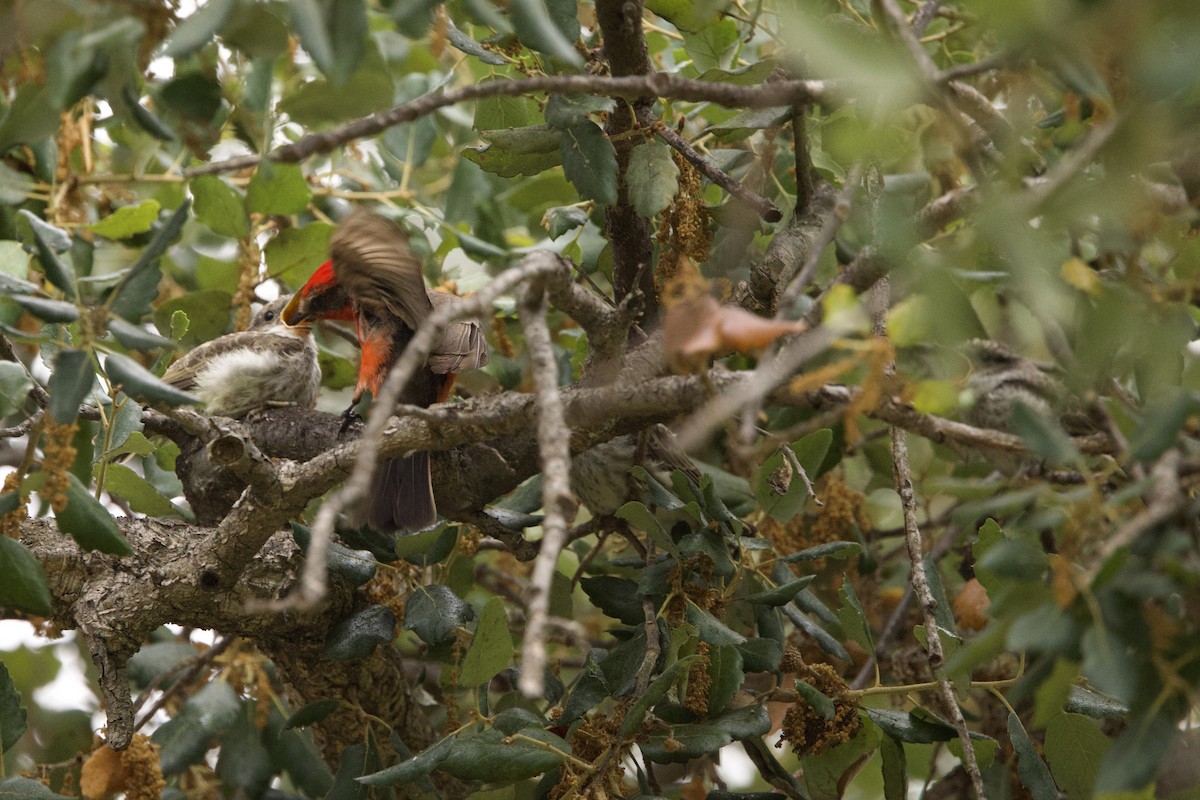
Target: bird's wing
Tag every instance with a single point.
(463, 346)
(373, 262)
(183, 373)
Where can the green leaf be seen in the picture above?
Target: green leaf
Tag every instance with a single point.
(297, 756)
(470, 46)
(839, 550)
(277, 189)
(14, 186)
(357, 760)
(780, 595)
(89, 523)
(426, 547)
(1075, 749)
(313, 712)
(347, 26)
(198, 29)
(30, 119)
(22, 581)
(491, 756)
(810, 453)
(491, 648)
(516, 151)
(25, 789)
(135, 337)
(908, 727)
(205, 312)
(356, 567)
(704, 738)
(358, 635)
(1093, 704)
(256, 31)
(760, 655)
(565, 111)
(127, 221)
(295, 253)
(48, 241)
(727, 669)
(560, 219)
(895, 769)
(48, 310)
(539, 30)
(408, 771)
(642, 519)
(616, 597)
(155, 660)
(320, 103)
(434, 612)
(140, 494)
(137, 381)
(499, 112)
(185, 738)
(590, 162)
(816, 699)
(1034, 774)
(656, 691)
(244, 764)
(12, 713)
(653, 177)
(714, 46)
(220, 207)
(70, 383)
(688, 15)
(1043, 435)
(712, 630)
(131, 298)
(308, 17)
(853, 618)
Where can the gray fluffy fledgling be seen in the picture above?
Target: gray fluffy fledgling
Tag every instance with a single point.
(269, 364)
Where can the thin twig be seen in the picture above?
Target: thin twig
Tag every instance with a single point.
(1164, 499)
(761, 205)
(654, 85)
(554, 449)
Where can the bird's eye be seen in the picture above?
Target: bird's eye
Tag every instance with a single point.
(268, 316)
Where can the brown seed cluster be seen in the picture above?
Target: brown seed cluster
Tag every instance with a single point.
(808, 731)
(58, 454)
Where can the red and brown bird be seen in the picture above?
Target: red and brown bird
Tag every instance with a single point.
(374, 279)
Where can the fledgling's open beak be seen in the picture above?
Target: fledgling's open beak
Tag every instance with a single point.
(296, 312)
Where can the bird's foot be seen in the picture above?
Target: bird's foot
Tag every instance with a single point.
(349, 417)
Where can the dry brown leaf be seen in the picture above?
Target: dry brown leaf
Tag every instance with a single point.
(697, 328)
(971, 605)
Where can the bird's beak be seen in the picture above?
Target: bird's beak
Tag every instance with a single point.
(296, 312)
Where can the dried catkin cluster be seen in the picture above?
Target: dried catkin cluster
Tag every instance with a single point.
(10, 523)
(58, 454)
(808, 731)
(684, 227)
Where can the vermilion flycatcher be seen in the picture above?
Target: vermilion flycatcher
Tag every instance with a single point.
(269, 364)
(374, 278)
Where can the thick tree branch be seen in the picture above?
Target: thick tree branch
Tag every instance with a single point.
(627, 231)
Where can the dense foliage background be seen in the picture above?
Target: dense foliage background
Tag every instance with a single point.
(906, 178)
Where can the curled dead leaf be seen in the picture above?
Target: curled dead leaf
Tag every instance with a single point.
(697, 328)
(971, 605)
